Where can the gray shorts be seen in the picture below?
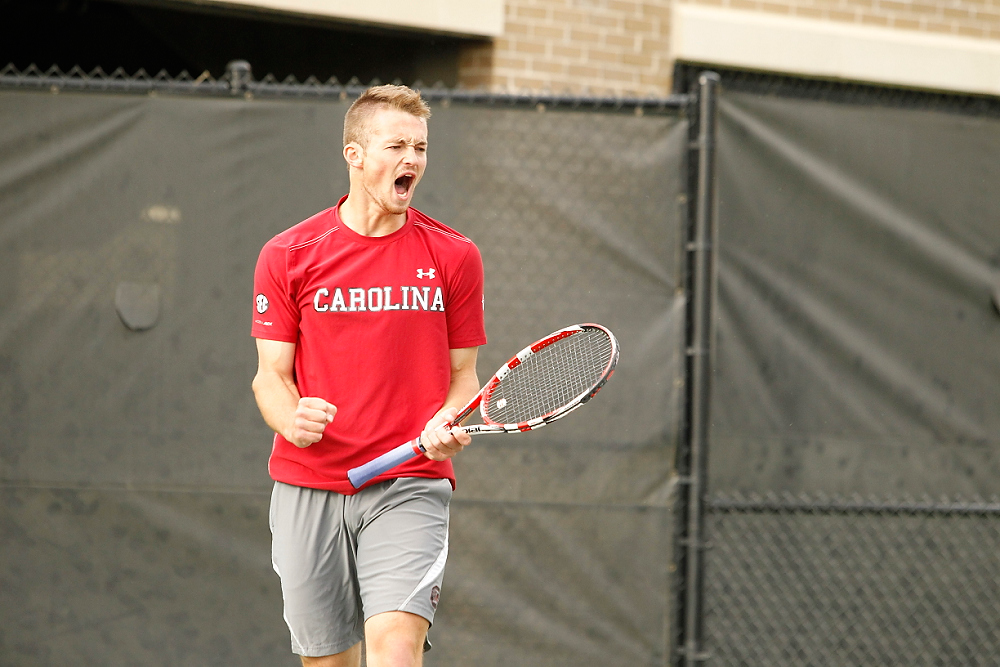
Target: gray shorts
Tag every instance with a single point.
(343, 559)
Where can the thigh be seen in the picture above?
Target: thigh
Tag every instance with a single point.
(403, 546)
(313, 553)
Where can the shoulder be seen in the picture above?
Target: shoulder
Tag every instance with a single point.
(305, 233)
(439, 233)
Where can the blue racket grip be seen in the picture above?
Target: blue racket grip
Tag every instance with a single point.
(363, 474)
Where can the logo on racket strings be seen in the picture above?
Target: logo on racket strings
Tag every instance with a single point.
(261, 304)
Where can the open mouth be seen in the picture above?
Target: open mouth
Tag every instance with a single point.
(403, 184)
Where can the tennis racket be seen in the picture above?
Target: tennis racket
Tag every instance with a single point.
(542, 383)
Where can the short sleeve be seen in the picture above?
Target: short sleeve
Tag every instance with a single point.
(275, 315)
(466, 327)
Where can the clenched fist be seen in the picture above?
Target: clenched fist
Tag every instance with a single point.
(311, 417)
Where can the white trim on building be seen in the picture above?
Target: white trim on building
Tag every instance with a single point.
(786, 44)
(473, 18)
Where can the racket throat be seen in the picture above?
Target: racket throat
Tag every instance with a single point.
(524, 427)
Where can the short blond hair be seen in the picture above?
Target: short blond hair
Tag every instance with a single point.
(357, 126)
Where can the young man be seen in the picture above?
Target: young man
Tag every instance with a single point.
(368, 319)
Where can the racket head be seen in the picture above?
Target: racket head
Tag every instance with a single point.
(550, 378)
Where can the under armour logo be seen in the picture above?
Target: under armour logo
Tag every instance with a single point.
(429, 273)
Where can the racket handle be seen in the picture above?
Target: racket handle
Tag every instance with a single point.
(365, 473)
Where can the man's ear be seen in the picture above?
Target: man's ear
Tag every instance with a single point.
(354, 154)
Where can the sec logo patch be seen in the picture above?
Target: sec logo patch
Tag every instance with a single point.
(261, 304)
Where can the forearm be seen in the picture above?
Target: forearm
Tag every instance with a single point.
(299, 420)
(277, 399)
(464, 385)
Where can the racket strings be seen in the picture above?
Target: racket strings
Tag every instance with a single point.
(552, 378)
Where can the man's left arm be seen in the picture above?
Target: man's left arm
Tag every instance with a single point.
(442, 444)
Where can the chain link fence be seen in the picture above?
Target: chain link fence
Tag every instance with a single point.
(128, 517)
(811, 581)
(239, 81)
(796, 581)
(815, 382)
(838, 91)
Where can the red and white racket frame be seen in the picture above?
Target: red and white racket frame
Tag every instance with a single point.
(517, 360)
(363, 474)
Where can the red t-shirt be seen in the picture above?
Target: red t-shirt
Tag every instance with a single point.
(373, 320)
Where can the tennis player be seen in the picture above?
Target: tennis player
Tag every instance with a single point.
(368, 317)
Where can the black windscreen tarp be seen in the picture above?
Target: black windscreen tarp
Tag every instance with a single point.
(132, 456)
(858, 340)
(857, 351)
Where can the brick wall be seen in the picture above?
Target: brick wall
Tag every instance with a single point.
(601, 46)
(621, 47)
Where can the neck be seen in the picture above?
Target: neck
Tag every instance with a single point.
(366, 217)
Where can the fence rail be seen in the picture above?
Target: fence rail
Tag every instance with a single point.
(790, 504)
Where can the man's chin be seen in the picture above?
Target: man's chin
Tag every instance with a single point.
(395, 206)
(397, 209)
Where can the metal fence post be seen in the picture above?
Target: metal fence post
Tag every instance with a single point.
(240, 76)
(691, 458)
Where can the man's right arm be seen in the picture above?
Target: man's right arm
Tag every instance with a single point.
(299, 420)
